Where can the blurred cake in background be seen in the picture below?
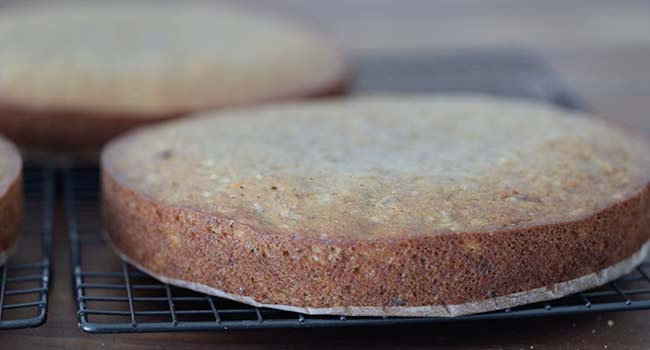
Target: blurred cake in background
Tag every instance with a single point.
(74, 75)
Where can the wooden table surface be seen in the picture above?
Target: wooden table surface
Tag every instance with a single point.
(602, 51)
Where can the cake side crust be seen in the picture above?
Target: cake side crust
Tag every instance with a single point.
(471, 268)
(555, 291)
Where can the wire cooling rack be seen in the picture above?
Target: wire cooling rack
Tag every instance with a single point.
(25, 279)
(113, 297)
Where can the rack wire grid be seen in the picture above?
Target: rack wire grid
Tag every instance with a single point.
(25, 279)
(113, 297)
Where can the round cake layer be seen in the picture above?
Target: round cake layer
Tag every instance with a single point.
(73, 75)
(381, 203)
(11, 198)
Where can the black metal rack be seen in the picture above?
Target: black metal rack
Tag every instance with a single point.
(25, 279)
(114, 297)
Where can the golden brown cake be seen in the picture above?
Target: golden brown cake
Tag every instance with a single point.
(73, 75)
(405, 206)
(11, 198)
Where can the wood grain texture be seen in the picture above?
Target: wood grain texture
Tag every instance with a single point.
(601, 48)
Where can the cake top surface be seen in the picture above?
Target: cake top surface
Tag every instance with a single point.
(10, 164)
(152, 57)
(385, 166)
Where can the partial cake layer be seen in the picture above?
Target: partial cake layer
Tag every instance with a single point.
(11, 198)
(395, 205)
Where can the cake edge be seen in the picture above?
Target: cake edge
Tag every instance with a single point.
(557, 290)
(11, 203)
